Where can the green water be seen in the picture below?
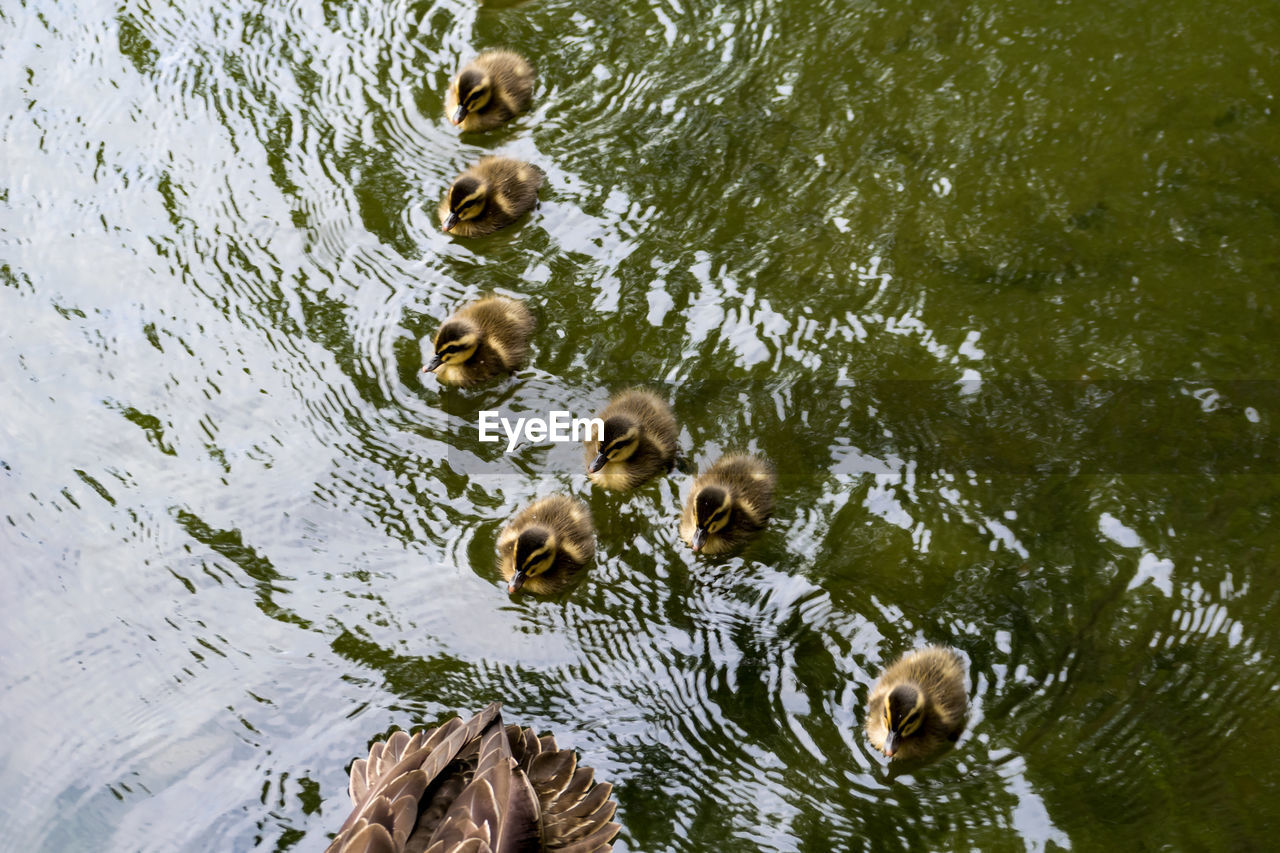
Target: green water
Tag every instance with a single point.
(994, 286)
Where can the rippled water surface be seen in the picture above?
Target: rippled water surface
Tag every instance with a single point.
(994, 285)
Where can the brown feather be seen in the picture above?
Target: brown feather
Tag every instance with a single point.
(372, 838)
(588, 805)
(576, 789)
(550, 772)
(401, 768)
(469, 788)
(596, 842)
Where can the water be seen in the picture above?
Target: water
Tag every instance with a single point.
(994, 287)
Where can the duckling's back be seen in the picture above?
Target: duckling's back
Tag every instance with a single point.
(506, 325)
(940, 671)
(568, 519)
(653, 414)
(512, 77)
(513, 184)
(750, 479)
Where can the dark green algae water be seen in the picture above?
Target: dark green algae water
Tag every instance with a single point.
(994, 285)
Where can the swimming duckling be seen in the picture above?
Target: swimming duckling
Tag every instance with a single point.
(919, 704)
(483, 339)
(489, 90)
(491, 194)
(546, 545)
(475, 786)
(728, 504)
(639, 440)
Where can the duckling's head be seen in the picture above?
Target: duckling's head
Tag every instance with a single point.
(472, 89)
(904, 709)
(467, 199)
(535, 553)
(456, 342)
(620, 439)
(712, 508)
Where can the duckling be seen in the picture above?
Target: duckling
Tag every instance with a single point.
(919, 704)
(483, 339)
(475, 786)
(489, 90)
(728, 504)
(639, 440)
(546, 545)
(489, 195)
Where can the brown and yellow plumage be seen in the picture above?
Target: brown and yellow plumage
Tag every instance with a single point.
(489, 90)
(728, 504)
(481, 340)
(918, 706)
(639, 441)
(491, 194)
(544, 547)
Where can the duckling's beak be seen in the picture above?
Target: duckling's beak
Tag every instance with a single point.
(458, 115)
(517, 581)
(450, 222)
(596, 464)
(435, 362)
(891, 741)
(699, 539)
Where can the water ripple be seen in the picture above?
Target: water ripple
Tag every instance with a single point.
(889, 248)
